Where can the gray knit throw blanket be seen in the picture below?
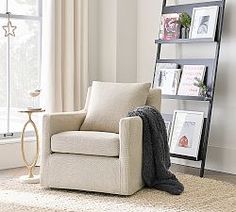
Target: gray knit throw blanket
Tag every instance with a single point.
(156, 155)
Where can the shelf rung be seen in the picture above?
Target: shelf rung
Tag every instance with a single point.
(188, 98)
(179, 8)
(199, 61)
(184, 157)
(185, 41)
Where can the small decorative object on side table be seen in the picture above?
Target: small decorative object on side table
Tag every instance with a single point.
(34, 94)
(30, 178)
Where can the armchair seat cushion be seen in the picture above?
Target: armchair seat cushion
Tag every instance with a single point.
(86, 143)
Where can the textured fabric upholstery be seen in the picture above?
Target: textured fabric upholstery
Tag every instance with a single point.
(87, 99)
(131, 154)
(118, 175)
(109, 102)
(83, 172)
(53, 124)
(86, 142)
(153, 98)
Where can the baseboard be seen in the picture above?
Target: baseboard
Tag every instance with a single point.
(10, 154)
(218, 159)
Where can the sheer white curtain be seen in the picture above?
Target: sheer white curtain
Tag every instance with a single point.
(64, 54)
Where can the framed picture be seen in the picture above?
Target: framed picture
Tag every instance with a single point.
(170, 27)
(169, 81)
(204, 21)
(168, 127)
(186, 133)
(188, 78)
(158, 69)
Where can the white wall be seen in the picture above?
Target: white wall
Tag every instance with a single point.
(10, 152)
(126, 65)
(148, 18)
(126, 52)
(113, 40)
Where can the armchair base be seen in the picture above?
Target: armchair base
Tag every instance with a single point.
(84, 172)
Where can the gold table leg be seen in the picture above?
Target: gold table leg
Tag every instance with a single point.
(30, 178)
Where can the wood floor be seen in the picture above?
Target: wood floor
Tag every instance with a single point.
(175, 168)
(208, 174)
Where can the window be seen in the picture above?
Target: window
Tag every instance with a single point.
(20, 61)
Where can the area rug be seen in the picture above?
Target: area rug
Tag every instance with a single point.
(200, 195)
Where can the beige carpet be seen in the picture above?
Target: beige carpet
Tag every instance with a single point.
(200, 195)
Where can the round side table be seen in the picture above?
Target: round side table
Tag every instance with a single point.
(30, 178)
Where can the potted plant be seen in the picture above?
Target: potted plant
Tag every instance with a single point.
(185, 21)
(203, 88)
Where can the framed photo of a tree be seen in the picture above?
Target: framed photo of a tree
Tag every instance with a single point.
(186, 133)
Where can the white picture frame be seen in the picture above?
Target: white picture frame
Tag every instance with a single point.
(169, 81)
(204, 22)
(168, 128)
(188, 78)
(160, 66)
(186, 133)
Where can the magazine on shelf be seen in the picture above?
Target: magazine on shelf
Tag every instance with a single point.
(188, 78)
(157, 72)
(169, 81)
(170, 27)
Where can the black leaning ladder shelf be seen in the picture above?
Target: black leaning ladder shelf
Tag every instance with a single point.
(210, 63)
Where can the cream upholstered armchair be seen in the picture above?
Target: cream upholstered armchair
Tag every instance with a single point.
(74, 158)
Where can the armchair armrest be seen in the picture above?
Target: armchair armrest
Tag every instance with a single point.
(130, 132)
(52, 124)
(131, 142)
(59, 122)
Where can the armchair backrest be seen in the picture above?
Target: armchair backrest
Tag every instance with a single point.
(154, 98)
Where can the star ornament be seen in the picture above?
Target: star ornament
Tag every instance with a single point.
(9, 29)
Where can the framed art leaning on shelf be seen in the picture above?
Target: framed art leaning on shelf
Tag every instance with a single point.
(168, 127)
(159, 67)
(170, 27)
(169, 81)
(204, 21)
(186, 133)
(187, 85)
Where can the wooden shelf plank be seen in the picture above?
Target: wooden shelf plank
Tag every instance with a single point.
(199, 61)
(179, 8)
(184, 41)
(188, 98)
(184, 157)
